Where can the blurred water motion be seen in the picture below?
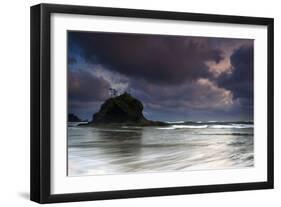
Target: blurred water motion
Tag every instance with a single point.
(99, 151)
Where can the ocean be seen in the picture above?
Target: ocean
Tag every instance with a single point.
(181, 146)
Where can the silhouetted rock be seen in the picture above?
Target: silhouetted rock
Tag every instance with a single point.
(73, 118)
(122, 110)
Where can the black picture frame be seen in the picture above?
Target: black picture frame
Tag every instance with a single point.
(41, 95)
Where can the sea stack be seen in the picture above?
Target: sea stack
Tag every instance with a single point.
(122, 110)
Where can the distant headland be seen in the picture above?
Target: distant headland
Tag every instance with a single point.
(73, 118)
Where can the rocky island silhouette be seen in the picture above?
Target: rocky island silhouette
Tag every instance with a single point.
(122, 110)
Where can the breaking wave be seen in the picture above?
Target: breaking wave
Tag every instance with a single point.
(214, 126)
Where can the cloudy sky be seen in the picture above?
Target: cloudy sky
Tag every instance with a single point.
(175, 77)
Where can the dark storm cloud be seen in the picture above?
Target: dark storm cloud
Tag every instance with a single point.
(175, 77)
(85, 87)
(193, 95)
(154, 58)
(71, 60)
(240, 81)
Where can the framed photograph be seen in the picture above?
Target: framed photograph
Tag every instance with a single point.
(133, 103)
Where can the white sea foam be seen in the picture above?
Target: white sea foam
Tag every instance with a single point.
(175, 122)
(235, 126)
(219, 126)
(184, 127)
(131, 127)
(119, 151)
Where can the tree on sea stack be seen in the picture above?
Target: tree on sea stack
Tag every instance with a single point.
(112, 92)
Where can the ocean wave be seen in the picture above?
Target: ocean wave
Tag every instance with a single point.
(131, 127)
(231, 126)
(184, 127)
(175, 122)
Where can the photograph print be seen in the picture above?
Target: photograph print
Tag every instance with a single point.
(148, 103)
